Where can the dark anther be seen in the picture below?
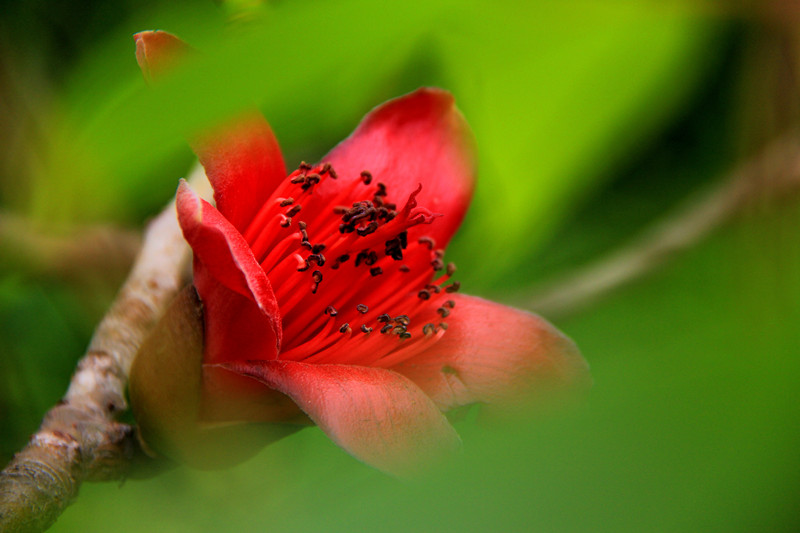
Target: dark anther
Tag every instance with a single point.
(453, 287)
(287, 201)
(402, 319)
(361, 308)
(398, 330)
(298, 179)
(318, 258)
(381, 190)
(304, 267)
(445, 312)
(304, 167)
(437, 264)
(306, 244)
(450, 303)
(394, 247)
(346, 228)
(317, 248)
(361, 256)
(403, 236)
(371, 259)
(366, 177)
(424, 295)
(405, 335)
(340, 210)
(451, 269)
(327, 168)
(345, 328)
(404, 268)
(443, 325)
(311, 180)
(428, 329)
(365, 328)
(342, 258)
(427, 241)
(302, 225)
(369, 228)
(286, 222)
(294, 210)
(316, 276)
(386, 328)
(438, 253)
(434, 288)
(384, 318)
(376, 271)
(331, 310)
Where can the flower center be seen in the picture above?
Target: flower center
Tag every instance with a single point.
(351, 286)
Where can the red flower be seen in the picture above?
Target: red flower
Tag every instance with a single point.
(328, 286)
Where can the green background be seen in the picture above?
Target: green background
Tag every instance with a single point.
(593, 120)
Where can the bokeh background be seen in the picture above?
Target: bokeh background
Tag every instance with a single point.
(596, 122)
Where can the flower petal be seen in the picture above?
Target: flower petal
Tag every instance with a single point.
(157, 52)
(241, 157)
(244, 164)
(418, 138)
(377, 415)
(495, 354)
(241, 312)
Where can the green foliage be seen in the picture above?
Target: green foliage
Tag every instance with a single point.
(692, 421)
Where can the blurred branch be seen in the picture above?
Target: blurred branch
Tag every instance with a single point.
(773, 173)
(87, 253)
(80, 439)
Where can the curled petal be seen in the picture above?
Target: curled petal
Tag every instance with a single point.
(157, 52)
(495, 354)
(242, 158)
(377, 415)
(418, 138)
(240, 306)
(244, 164)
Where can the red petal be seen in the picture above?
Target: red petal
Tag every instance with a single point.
(242, 158)
(418, 138)
(492, 353)
(157, 52)
(240, 308)
(378, 416)
(244, 164)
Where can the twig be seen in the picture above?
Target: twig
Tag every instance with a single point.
(79, 439)
(772, 173)
(85, 254)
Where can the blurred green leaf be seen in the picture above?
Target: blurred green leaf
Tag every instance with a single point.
(557, 93)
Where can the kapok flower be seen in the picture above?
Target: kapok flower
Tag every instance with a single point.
(325, 291)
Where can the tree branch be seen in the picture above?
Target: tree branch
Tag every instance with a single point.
(769, 175)
(80, 439)
(84, 255)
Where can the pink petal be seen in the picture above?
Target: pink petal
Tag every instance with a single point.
(242, 158)
(492, 353)
(378, 416)
(418, 138)
(241, 312)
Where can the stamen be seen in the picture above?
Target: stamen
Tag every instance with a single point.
(361, 308)
(331, 310)
(453, 287)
